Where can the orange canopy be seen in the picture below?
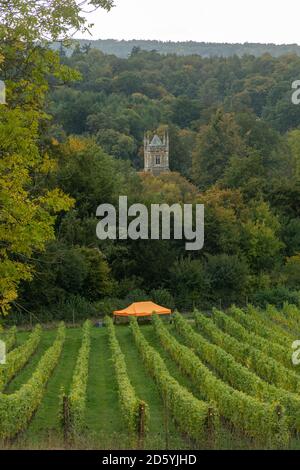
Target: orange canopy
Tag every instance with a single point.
(142, 309)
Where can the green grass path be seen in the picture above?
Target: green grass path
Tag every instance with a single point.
(103, 413)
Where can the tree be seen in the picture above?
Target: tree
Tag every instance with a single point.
(117, 144)
(91, 176)
(182, 142)
(97, 283)
(228, 277)
(291, 236)
(189, 283)
(246, 173)
(292, 271)
(167, 187)
(261, 139)
(26, 63)
(65, 271)
(223, 209)
(261, 242)
(293, 139)
(184, 111)
(47, 20)
(216, 144)
(27, 214)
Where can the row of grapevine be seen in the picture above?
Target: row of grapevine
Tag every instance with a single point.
(77, 395)
(252, 323)
(238, 376)
(194, 418)
(18, 357)
(264, 316)
(263, 365)
(17, 408)
(133, 409)
(10, 338)
(262, 421)
(292, 312)
(288, 318)
(232, 327)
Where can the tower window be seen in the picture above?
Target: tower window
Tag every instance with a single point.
(157, 160)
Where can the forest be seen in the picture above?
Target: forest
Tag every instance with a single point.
(71, 138)
(122, 48)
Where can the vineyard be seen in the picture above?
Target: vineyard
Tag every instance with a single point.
(223, 380)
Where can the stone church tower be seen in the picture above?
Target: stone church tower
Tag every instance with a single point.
(156, 154)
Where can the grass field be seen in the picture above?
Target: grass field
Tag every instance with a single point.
(105, 428)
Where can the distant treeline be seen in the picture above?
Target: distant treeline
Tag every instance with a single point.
(123, 48)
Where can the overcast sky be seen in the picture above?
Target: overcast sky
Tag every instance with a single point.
(274, 21)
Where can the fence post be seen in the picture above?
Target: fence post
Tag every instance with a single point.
(212, 432)
(141, 425)
(66, 417)
(166, 420)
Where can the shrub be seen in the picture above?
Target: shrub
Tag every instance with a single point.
(276, 296)
(162, 297)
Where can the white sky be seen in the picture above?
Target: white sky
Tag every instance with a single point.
(276, 21)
